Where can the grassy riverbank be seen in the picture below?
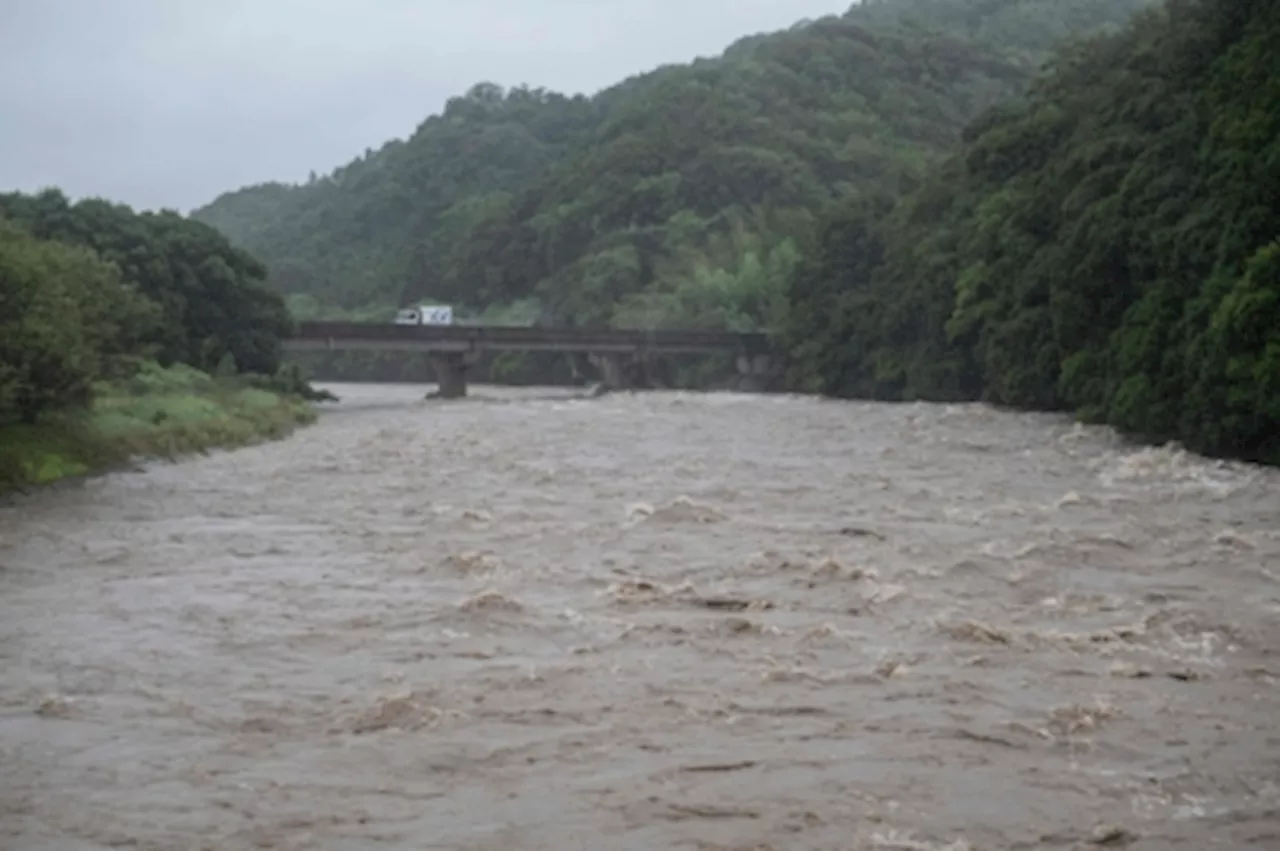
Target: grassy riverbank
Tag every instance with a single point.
(159, 413)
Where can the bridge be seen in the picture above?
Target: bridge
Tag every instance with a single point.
(455, 348)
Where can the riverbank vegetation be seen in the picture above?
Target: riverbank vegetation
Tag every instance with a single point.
(1042, 204)
(1107, 245)
(156, 413)
(112, 328)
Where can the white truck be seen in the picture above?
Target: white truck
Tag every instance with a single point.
(425, 314)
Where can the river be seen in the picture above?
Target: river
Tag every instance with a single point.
(651, 621)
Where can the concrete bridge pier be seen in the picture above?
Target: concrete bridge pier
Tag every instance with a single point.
(613, 373)
(451, 374)
(757, 373)
(622, 370)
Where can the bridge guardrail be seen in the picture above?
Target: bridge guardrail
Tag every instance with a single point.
(495, 336)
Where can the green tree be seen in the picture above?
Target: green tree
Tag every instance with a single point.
(66, 318)
(211, 296)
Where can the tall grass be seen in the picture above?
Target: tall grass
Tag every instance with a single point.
(158, 413)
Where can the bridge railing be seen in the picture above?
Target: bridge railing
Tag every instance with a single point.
(510, 337)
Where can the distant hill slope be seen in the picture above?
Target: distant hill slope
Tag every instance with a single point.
(680, 196)
(346, 238)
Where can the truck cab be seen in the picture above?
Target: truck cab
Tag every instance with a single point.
(425, 314)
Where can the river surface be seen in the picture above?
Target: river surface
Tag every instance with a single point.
(653, 621)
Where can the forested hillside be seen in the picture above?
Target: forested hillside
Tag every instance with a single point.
(684, 196)
(355, 236)
(87, 290)
(1110, 245)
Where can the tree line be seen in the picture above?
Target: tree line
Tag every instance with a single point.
(88, 290)
(1108, 244)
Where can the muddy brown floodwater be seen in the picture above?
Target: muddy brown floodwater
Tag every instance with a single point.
(647, 622)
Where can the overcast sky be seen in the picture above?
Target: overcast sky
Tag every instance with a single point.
(170, 102)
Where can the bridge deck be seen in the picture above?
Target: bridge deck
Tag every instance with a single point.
(319, 336)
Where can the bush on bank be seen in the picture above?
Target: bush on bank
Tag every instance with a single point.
(156, 413)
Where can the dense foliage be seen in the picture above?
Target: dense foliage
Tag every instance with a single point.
(88, 289)
(1108, 245)
(679, 197)
(63, 315)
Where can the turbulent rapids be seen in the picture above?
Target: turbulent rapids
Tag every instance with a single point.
(645, 622)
